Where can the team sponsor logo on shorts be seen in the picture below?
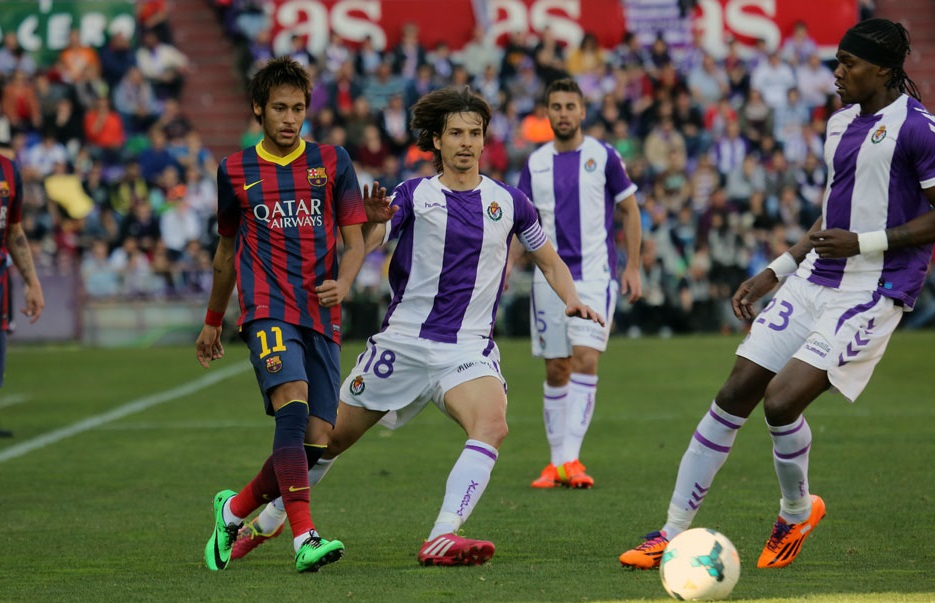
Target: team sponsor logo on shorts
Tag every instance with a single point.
(317, 176)
(878, 135)
(818, 346)
(357, 385)
(494, 211)
(273, 364)
(4, 189)
(590, 165)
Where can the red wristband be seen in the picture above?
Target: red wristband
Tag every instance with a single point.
(214, 319)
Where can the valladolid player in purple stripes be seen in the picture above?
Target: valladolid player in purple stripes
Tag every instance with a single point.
(436, 346)
(847, 284)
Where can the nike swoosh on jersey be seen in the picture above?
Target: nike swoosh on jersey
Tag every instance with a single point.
(252, 184)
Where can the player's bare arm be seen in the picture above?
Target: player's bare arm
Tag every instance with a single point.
(754, 288)
(208, 346)
(516, 252)
(331, 292)
(21, 255)
(840, 243)
(630, 284)
(558, 276)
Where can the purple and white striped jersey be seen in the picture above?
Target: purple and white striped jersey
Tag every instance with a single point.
(878, 166)
(575, 193)
(447, 271)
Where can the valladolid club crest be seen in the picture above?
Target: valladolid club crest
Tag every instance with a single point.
(878, 134)
(357, 385)
(317, 176)
(590, 165)
(494, 211)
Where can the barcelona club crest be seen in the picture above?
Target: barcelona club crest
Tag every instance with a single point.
(317, 176)
(357, 385)
(878, 135)
(273, 364)
(4, 189)
(494, 211)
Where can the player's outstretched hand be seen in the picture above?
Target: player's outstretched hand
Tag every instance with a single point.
(750, 291)
(377, 204)
(835, 243)
(208, 347)
(580, 310)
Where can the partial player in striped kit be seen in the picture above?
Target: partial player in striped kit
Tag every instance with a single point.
(576, 182)
(280, 207)
(850, 279)
(454, 232)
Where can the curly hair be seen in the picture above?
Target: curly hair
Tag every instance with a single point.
(430, 115)
(281, 71)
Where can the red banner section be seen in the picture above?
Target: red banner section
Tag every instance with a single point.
(452, 21)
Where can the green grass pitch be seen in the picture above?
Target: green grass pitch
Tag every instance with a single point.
(105, 492)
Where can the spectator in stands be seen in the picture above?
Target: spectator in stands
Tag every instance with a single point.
(372, 151)
(13, 57)
(382, 85)
(173, 121)
(515, 53)
(153, 15)
(815, 81)
(343, 90)
(659, 144)
(479, 52)
(756, 118)
(394, 124)
(131, 188)
(707, 82)
(357, 122)
(367, 58)
(422, 84)
(791, 116)
(178, 225)
(21, 104)
(76, 57)
(409, 53)
(525, 88)
(40, 160)
(799, 46)
(135, 101)
(337, 54)
(117, 56)
(98, 276)
(163, 65)
(535, 129)
(142, 225)
(730, 149)
(773, 78)
(103, 131)
(298, 51)
(67, 124)
(440, 59)
(744, 180)
(154, 159)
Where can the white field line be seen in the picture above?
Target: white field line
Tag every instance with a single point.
(134, 406)
(12, 400)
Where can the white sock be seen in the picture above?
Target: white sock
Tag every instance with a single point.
(273, 515)
(317, 471)
(299, 540)
(466, 483)
(704, 457)
(554, 404)
(582, 391)
(229, 517)
(791, 444)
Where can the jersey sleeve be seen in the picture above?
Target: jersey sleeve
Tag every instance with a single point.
(401, 197)
(228, 205)
(922, 150)
(526, 222)
(16, 207)
(350, 203)
(618, 181)
(525, 181)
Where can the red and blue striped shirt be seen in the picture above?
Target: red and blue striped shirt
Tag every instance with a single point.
(11, 212)
(284, 213)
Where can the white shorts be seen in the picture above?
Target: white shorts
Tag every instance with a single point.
(401, 374)
(842, 332)
(554, 334)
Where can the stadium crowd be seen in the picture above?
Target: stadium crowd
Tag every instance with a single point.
(727, 152)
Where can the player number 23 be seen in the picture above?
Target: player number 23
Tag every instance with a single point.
(277, 339)
(782, 315)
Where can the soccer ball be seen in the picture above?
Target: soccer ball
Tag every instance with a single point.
(699, 565)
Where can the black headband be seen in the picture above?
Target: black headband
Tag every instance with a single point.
(870, 51)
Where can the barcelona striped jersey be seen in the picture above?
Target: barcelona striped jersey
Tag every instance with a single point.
(11, 212)
(284, 213)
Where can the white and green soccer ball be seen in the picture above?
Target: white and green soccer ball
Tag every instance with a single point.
(699, 565)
